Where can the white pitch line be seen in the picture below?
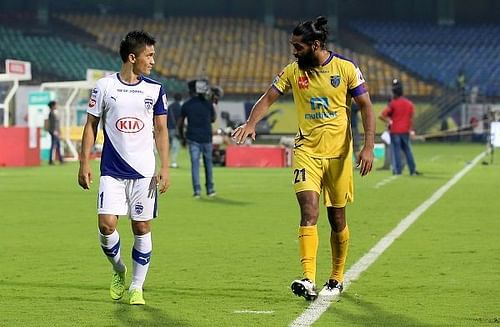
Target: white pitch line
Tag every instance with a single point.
(324, 300)
(254, 311)
(386, 181)
(435, 158)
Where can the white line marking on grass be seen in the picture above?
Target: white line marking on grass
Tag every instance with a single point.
(386, 181)
(254, 312)
(324, 300)
(435, 158)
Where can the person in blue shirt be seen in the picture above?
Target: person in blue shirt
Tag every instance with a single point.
(199, 113)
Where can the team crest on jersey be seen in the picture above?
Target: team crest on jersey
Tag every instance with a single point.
(335, 80)
(139, 208)
(303, 82)
(148, 103)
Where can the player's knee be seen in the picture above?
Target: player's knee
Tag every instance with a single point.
(309, 216)
(141, 227)
(106, 229)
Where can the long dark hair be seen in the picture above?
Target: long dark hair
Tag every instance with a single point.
(312, 31)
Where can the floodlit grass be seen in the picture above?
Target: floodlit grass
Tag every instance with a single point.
(215, 257)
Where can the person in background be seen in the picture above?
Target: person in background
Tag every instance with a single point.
(323, 84)
(199, 112)
(54, 128)
(174, 112)
(398, 115)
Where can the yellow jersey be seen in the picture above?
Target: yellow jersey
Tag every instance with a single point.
(322, 98)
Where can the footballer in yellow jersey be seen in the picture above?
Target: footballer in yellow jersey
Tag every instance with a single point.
(323, 84)
(322, 99)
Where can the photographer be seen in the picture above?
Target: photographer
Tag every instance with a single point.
(199, 112)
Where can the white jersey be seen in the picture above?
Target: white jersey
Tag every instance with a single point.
(126, 112)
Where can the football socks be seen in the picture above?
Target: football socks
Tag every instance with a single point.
(308, 245)
(110, 245)
(339, 243)
(141, 254)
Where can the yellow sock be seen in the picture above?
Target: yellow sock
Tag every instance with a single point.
(340, 244)
(308, 244)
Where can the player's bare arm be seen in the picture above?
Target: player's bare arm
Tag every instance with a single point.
(161, 139)
(258, 111)
(88, 140)
(364, 158)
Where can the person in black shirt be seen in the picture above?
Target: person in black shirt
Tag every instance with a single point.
(199, 113)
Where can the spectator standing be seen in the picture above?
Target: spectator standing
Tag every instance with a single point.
(174, 112)
(399, 116)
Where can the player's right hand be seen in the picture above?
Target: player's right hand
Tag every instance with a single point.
(241, 133)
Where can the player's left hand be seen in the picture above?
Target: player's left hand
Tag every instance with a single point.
(364, 160)
(163, 180)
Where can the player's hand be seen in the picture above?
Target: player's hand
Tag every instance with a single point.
(364, 160)
(163, 180)
(241, 133)
(84, 176)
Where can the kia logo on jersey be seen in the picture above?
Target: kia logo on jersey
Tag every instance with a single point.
(129, 125)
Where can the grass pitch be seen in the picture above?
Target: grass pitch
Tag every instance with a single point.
(229, 261)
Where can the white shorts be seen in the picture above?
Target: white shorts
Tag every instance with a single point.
(133, 197)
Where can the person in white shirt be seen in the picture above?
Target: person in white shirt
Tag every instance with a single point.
(133, 112)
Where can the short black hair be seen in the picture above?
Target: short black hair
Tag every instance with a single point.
(177, 97)
(397, 87)
(52, 104)
(134, 42)
(312, 31)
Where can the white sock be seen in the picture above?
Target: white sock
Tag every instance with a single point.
(110, 244)
(141, 254)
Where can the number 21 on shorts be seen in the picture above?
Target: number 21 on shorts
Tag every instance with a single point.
(300, 175)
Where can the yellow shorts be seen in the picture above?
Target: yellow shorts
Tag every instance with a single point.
(333, 176)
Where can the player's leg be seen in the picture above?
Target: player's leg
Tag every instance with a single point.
(307, 180)
(142, 209)
(338, 189)
(141, 256)
(111, 202)
(194, 153)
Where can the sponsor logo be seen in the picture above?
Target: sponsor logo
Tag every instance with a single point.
(303, 82)
(91, 103)
(319, 108)
(335, 80)
(129, 125)
(95, 91)
(148, 103)
(319, 103)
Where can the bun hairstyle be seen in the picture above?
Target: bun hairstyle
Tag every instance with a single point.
(312, 31)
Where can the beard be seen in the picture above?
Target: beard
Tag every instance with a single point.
(308, 61)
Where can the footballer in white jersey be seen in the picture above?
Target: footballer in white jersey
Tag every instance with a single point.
(133, 112)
